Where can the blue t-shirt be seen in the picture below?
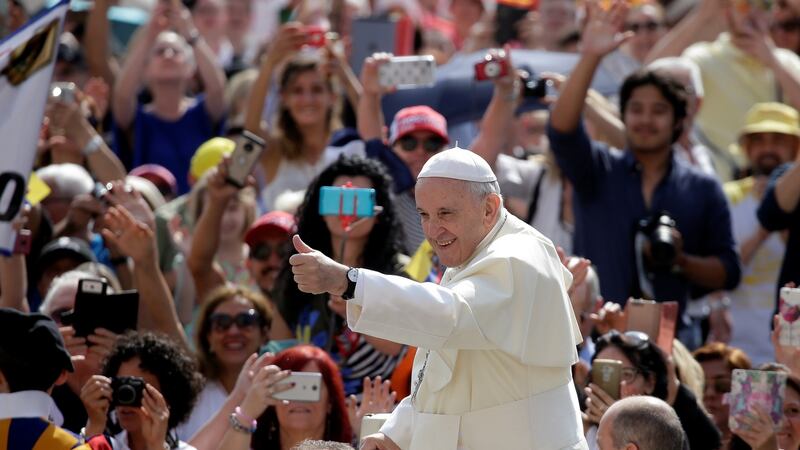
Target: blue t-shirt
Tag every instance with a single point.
(171, 143)
(609, 205)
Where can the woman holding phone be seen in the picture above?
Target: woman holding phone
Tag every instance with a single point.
(645, 371)
(280, 425)
(372, 243)
(299, 142)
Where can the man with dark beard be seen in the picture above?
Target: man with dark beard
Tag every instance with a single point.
(653, 226)
(770, 137)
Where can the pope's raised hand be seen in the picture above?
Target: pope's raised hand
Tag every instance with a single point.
(314, 272)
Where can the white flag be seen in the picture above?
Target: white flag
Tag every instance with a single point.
(27, 58)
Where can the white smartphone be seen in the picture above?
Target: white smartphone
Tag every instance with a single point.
(408, 72)
(307, 387)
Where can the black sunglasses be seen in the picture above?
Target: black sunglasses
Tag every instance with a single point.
(263, 251)
(648, 26)
(431, 145)
(787, 26)
(221, 322)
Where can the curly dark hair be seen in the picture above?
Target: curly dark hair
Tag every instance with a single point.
(673, 92)
(383, 243)
(642, 353)
(162, 357)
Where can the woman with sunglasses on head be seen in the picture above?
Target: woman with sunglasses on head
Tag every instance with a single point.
(233, 324)
(299, 141)
(371, 243)
(646, 371)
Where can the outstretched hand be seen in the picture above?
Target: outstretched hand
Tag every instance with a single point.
(316, 273)
(603, 32)
(131, 237)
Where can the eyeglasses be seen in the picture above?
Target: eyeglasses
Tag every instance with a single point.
(628, 374)
(644, 26)
(410, 143)
(263, 251)
(787, 26)
(222, 322)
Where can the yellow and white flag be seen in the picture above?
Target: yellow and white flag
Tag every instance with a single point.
(27, 57)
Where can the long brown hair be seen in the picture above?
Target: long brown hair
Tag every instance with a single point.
(286, 133)
(209, 365)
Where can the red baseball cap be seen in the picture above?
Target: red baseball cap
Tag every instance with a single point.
(417, 118)
(272, 224)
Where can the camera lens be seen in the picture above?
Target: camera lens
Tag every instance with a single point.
(248, 147)
(126, 395)
(491, 69)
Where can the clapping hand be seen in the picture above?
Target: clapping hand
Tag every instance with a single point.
(377, 397)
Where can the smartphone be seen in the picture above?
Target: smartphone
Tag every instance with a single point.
(607, 374)
(755, 387)
(96, 308)
(403, 72)
(249, 147)
(22, 245)
(344, 201)
(656, 320)
(63, 92)
(789, 317)
(372, 423)
(307, 386)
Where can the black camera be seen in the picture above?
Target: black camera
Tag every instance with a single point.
(535, 87)
(658, 230)
(127, 391)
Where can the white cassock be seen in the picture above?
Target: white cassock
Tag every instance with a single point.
(501, 336)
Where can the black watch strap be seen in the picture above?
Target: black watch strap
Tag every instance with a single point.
(352, 277)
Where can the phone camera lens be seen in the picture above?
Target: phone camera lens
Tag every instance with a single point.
(248, 147)
(313, 388)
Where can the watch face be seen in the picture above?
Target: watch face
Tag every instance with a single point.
(352, 275)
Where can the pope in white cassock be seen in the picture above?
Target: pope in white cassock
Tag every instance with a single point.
(496, 339)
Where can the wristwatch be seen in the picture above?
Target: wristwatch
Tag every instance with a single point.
(352, 278)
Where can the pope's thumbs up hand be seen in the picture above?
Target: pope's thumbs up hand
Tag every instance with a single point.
(300, 246)
(314, 272)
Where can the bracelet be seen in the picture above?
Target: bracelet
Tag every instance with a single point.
(244, 416)
(723, 304)
(93, 145)
(238, 426)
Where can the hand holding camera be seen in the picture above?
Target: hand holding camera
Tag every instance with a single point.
(96, 396)
(664, 246)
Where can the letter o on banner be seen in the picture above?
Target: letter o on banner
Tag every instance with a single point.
(17, 194)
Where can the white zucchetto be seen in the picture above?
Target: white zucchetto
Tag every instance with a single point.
(458, 164)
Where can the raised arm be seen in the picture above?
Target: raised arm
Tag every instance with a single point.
(369, 116)
(95, 41)
(288, 39)
(129, 80)
(704, 23)
(601, 36)
(781, 199)
(205, 240)
(137, 240)
(342, 69)
(498, 120)
(13, 282)
(210, 71)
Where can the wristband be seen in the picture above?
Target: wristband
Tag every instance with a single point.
(93, 145)
(244, 416)
(238, 426)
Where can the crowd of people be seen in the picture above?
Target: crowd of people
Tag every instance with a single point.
(443, 307)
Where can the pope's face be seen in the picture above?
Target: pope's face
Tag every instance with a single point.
(454, 219)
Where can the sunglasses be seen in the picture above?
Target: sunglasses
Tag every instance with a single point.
(720, 385)
(644, 26)
(221, 322)
(632, 339)
(410, 143)
(262, 252)
(787, 26)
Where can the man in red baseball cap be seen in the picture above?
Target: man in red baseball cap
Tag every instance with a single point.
(416, 134)
(269, 242)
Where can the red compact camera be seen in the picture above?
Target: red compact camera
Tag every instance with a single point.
(315, 37)
(493, 66)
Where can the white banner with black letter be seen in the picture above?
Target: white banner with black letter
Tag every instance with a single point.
(27, 57)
